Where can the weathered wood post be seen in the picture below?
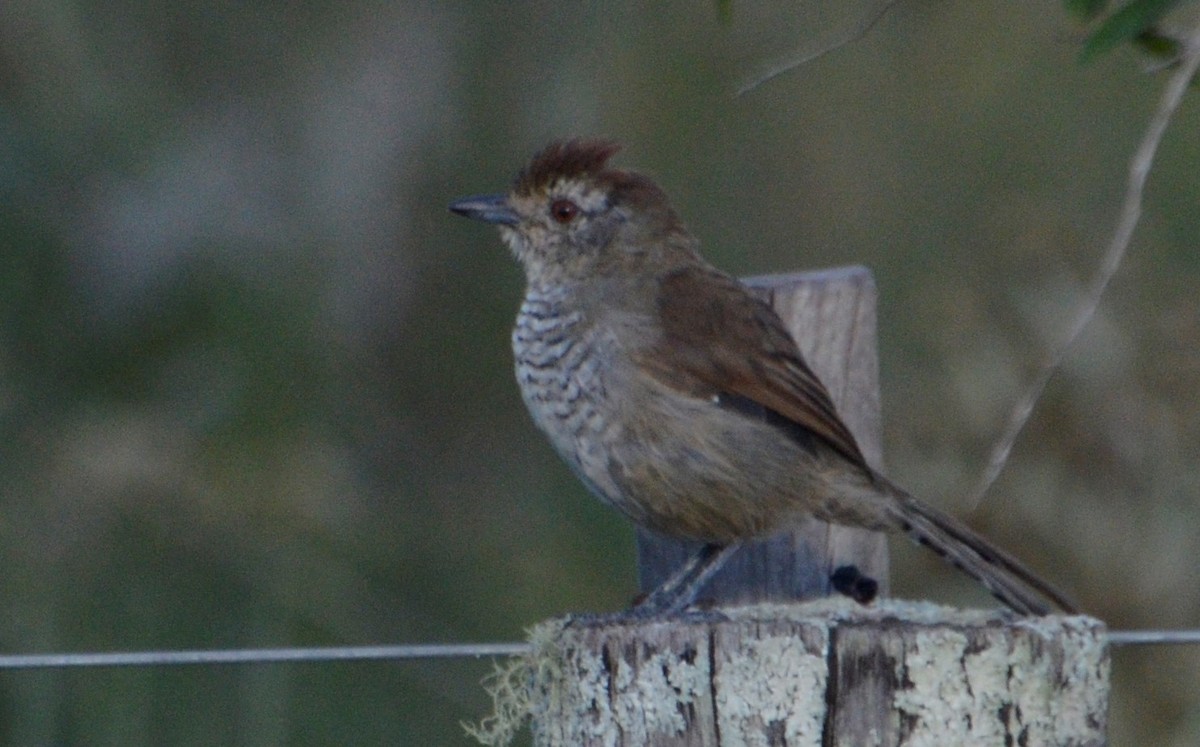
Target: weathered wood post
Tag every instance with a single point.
(768, 670)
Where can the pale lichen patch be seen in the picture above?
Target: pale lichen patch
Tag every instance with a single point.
(802, 674)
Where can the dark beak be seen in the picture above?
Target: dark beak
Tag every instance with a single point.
(487, 208)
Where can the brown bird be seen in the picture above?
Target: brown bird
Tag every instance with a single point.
(676, 395)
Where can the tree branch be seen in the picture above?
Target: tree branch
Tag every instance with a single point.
(1131, 212)
(855, 34)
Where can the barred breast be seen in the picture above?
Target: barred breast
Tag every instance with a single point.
(561, 372)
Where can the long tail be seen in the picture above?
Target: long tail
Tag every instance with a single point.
(1010, 580)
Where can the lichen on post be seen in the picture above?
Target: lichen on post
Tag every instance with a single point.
(826, 673)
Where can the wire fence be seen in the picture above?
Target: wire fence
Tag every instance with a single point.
(399, 652)
(261, 655)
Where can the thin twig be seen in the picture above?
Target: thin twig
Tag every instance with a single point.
(1131, 212)
(261, 655)
(855, 34)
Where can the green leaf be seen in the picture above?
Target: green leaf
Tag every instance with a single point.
(1159, 45)
(1126, 24)
(1086, 9)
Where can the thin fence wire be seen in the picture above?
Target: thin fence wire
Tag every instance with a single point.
(262, 655)
(395, 653)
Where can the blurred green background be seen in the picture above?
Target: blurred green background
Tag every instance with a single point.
(255, 384)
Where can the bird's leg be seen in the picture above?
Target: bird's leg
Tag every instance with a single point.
(680, 590)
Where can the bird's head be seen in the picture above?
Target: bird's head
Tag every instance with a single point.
(569, 217)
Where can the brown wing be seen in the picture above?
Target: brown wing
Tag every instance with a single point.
(719, 340)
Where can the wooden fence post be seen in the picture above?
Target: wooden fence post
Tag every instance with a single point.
(827, 672)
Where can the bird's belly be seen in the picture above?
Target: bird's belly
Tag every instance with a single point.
(693, 472)
(679, 465)
(700, 472)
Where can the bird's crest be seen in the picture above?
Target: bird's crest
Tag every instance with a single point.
(564, 159)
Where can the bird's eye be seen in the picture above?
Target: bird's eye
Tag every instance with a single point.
(564, 211)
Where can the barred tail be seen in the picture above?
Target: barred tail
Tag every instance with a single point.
(1007, 578)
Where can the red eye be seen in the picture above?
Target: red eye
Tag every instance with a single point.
(564, 211)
